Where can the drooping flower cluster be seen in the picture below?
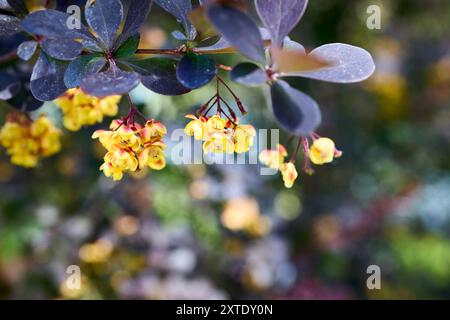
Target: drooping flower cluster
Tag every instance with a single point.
(220, 135)
(322, 151)
(26, 141)
(132, 146)
(81, 109)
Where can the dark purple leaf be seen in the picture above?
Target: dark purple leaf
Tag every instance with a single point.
(194, 71)
(238, 29)
(180, 10)
(349, 64)
(62, 49)
(26, 50)
(9, 86)
(136, 14)
(295, 111)
(53, 24)
(9, 45)
(81, 67)
(9, 25)
(248, 74)
(159, 75)
(111, 82)
(280, 16)
(104, 17)
(47, 79)
(129, 47)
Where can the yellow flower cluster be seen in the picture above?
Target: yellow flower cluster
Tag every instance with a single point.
(26, 141)
(323, 151)
(274, 159)
(220, 135)
(131, 147)
(81, 109)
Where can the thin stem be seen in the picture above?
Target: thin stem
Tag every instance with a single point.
(224, 67)
(159, 51)
(230, 110)
(294, 155)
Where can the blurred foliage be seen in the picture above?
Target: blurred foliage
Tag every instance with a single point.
(224, 231)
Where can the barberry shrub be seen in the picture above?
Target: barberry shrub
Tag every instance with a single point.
(98, 61)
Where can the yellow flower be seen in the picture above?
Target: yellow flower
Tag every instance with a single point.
(111, 171)
(289, 174)
(153, 130)
(273, 158)
(152, 157)
(322, 151)
(121, 158)
(219, 143)
(243, 138)
(26, 141)
(215, 123)
(196, 127)
(81, 109)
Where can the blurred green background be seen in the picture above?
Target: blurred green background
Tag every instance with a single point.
(205, 232)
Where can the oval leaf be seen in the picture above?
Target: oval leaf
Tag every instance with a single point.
(104, 17)
(136, 14)
(194, 71)
(53, 24)
(62, 49)
(280, 17)
(294, 110)
(349, 64)
(81, 67)
(26, 50)
(238, 29)
(248, 74)
(9, 86)
(9, 25)
(111, 82)
(180, 10)
(47, 79)
(293, 60)
(159, 75)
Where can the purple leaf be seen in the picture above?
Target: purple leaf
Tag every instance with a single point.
(295, 111)
(349, 64)
(9, 25)
(136, 14)
(159, 75)
(62, 49)
(248, 74)
(81, 67)
(47, 79)
(194, 71)
(104, 17)
(280, 16)
(26, 50)
(180, 9)
(9, 86)
(111, 82)
(53, 24)
(238, 29)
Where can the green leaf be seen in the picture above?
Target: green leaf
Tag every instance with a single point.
(128, 48)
